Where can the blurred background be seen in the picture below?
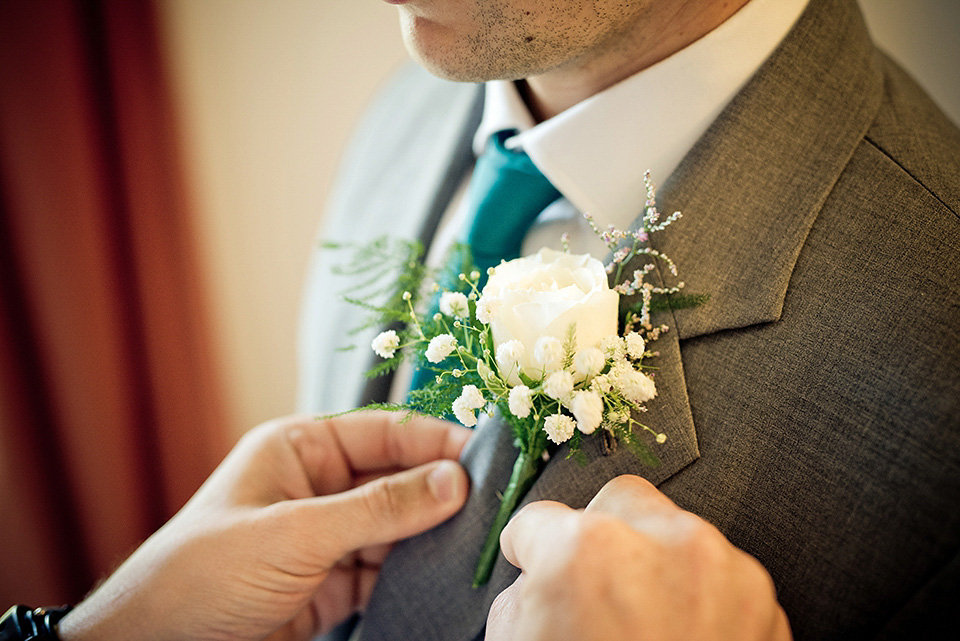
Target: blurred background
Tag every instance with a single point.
(163, 169)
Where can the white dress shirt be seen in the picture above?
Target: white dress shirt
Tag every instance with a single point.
(595, 153)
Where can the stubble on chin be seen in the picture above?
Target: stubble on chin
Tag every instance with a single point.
(490, 51)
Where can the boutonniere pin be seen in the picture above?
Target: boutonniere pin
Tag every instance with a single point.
(546, 342)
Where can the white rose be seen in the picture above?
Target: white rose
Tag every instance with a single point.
(543, 295)
(587, 408)
(440, 347)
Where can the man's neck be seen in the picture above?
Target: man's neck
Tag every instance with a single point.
(663, 32)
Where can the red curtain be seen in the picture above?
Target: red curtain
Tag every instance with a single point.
(110, 414)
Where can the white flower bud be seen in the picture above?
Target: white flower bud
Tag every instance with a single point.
(386, 343)
(440, 347)
(635, 345)
(613, 347)
(548, 353)
(463, 413)
(508, 355)
(558, 385)
(588, 362)
(587, 408)
(559, 428)
(487, 308)
(520, 401)
(470, 399)
(454, 304)
(601, 384)
(635, 386)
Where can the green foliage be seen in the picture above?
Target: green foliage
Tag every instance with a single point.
(436, 399)
(663, 302)
(529, 437)
(459, 261)
(628, 437)
(386, 268)
(660, 303)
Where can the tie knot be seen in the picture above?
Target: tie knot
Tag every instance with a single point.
(507, 192)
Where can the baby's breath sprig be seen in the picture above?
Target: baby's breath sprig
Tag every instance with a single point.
(626, 245)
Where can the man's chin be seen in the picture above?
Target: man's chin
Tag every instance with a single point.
(445, 56)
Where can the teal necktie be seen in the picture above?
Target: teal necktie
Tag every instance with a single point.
(506, 194)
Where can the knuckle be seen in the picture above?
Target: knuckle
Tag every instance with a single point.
(501, 605)
(381, 499)
(596, 530)
(624, 485)
(628, 483)
(273, 429)
(595, 537)
(758, 580)
(703, 543)
(758, 599)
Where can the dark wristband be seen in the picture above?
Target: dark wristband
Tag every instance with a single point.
(20, 623)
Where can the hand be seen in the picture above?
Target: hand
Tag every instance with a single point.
(286, 536)
(632, 565)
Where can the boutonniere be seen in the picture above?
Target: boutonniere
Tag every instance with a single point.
(547, 342)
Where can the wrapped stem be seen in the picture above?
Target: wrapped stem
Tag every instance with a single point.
(526, 469)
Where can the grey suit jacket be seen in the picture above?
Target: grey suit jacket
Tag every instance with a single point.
(811, 405)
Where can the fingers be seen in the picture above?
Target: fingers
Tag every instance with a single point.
(299, 457)
(637, 503)
(385, 510)
(503, 614)
(627, 495)
(374, 441)
(523, 541)
(631, 500)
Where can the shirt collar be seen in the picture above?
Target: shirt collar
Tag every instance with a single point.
(659, 113)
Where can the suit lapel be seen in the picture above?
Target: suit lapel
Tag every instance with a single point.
(752, 186)
(750, 190)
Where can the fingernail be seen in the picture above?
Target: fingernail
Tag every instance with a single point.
(443, 479)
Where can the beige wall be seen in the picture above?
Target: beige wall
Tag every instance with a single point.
(924, 37)
(267, 91)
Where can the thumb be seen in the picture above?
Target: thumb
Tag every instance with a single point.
(389, 508)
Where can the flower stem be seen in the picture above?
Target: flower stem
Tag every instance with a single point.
(526, 469)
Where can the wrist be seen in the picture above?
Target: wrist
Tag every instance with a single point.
(20, 623)
(106, 618)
